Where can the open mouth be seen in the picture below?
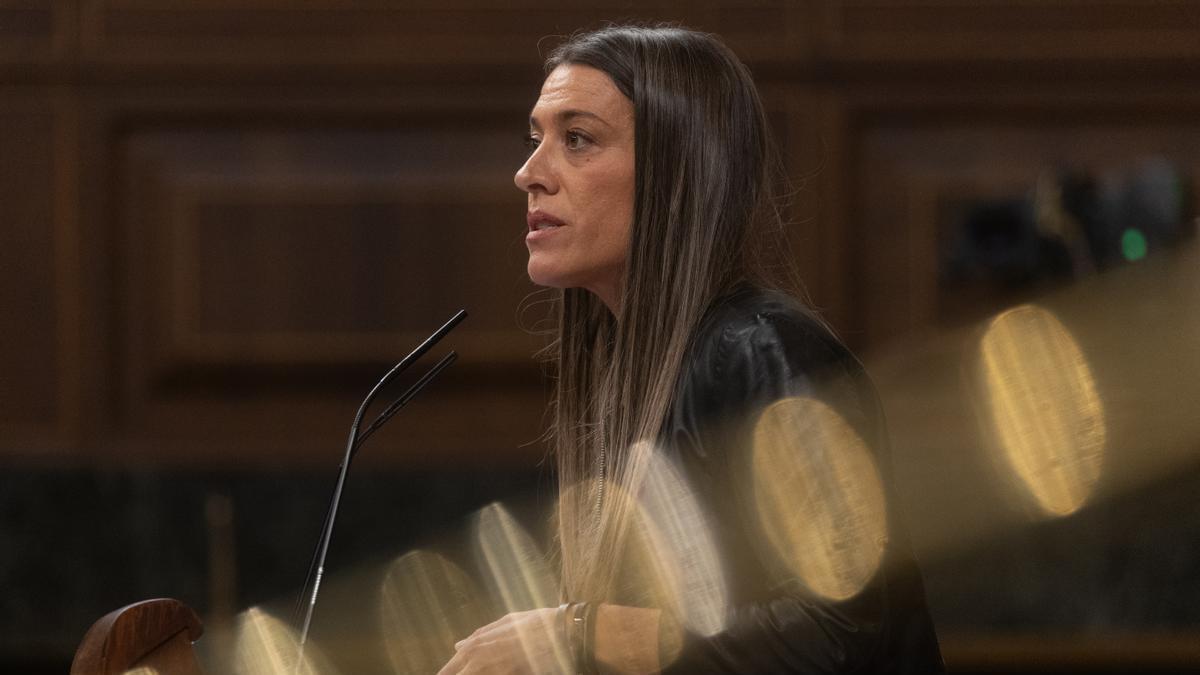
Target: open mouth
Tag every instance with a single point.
(540, 221)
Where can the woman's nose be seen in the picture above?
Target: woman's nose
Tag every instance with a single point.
(535, 175)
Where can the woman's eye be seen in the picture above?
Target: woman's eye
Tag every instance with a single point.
(531, 142)
(576, 140)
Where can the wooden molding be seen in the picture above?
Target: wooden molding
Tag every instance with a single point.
(938, 31)
(276, 34)
(40, 348)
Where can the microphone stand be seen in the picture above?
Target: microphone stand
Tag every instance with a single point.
(353, 443)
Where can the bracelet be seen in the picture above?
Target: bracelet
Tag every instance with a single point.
(577, 625)
(578, 614)
(589, 639)
(561, 619)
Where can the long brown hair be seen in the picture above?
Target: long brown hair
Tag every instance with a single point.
(706, 219)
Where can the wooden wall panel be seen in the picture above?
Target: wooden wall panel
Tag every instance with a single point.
(327, 245)
(35, 312)
(35, 33)
(450, 33)
(941, 31)
(274, 255)
(794, 114)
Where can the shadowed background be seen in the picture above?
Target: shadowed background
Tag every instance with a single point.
(220, 222)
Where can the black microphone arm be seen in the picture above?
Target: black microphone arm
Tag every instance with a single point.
(353, 443)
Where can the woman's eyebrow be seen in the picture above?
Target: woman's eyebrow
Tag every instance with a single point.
(565, 116)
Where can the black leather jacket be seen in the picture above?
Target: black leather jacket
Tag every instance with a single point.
(753, 348)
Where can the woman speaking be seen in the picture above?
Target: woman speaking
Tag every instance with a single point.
(684, 359)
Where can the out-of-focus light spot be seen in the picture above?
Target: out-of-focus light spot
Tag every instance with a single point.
(819, 496)
(516, 566)
(683, 549)
(670, 559)
(426, 605)
(264, 645)
(518, 576)
(1133, 244)
(1046, 413)
(574, 519)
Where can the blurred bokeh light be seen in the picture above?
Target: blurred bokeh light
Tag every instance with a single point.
(518, 575)
(819, 496)
(264, 645)
(426, 604)
(1044, 407)
(682, 547)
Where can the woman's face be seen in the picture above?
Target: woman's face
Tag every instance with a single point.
(580, 179)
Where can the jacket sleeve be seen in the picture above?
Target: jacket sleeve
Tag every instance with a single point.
(775, 624)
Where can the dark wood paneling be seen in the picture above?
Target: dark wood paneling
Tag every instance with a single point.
(34, 33)
(489, 33)
(794, 114)
(938, 31)
(326, 245)
(275, 253)
(32, 378)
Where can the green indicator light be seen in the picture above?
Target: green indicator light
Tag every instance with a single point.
(1133, 244)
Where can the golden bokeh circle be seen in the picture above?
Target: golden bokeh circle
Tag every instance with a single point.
(1044, 407)
(819, 496)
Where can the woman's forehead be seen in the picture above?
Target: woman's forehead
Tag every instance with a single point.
(580, 88)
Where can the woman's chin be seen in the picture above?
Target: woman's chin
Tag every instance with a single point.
(544, 276)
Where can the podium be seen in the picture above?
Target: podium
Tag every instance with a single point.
(152, 634)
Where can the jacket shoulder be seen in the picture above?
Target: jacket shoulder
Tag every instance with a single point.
(757, 347)
(766, 335)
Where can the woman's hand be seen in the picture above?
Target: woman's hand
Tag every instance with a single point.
(522, 642)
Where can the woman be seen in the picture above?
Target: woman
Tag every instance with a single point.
(651, 192)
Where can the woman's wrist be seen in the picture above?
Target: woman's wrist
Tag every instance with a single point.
(626, 639)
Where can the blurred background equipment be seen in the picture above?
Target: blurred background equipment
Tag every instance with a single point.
(220, 220)
(1069, 225)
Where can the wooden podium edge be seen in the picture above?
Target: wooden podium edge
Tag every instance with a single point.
(126, 636)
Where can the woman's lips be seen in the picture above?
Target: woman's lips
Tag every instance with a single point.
(541, 225)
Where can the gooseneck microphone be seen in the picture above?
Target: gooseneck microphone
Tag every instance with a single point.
(353, 443)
